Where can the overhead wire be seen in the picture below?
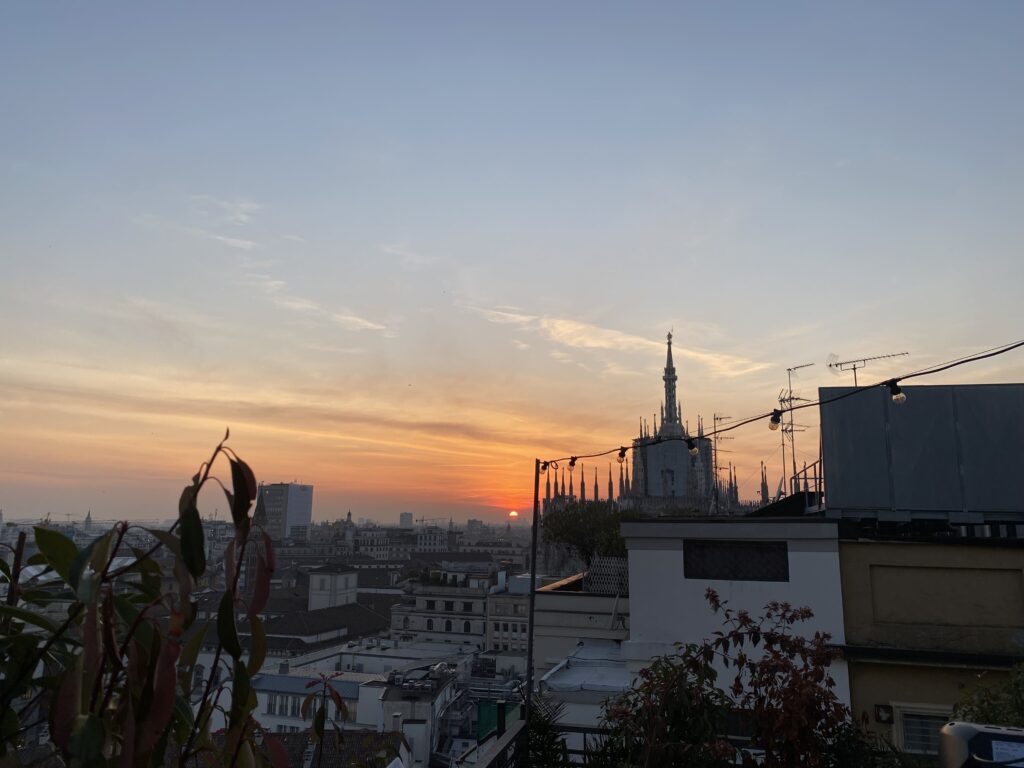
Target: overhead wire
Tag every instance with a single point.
(892, 383)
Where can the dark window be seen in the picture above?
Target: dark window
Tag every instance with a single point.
(430, 605)
(497, 626)
(465, 627)
(449, 605)
(448, 625)
(504, 627)
(736, 560)
(467, 607)
(430, 623)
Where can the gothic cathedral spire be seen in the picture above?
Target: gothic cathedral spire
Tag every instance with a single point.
(671, 425)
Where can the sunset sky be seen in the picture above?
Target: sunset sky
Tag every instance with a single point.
(401, 249)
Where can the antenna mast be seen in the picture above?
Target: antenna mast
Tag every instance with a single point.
(786, 400)
(860, 362)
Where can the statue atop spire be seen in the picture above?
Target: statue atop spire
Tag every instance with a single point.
(671, 425)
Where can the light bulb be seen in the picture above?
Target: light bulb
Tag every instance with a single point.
(572, 463)
(776, 420)
(622, 455)
(898, 395)
(694, 450)
(543, 466)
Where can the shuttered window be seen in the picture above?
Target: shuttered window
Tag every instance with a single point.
(921, 732)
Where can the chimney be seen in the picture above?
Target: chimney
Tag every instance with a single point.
(282, 668)
(396, 722)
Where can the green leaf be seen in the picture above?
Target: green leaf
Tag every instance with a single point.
(60, 551)
(243, 483)
(257, 645)
(226, 626)
(28, 617)
(79, 563)
(193, 544)
(167, 538)
(183, 719)
(318, 723)
(240, 689)
(190, 653)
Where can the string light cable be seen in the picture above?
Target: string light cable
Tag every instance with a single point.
(775, 415)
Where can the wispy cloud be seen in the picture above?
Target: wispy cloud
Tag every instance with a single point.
(408, 258)
(276, 291)
(576, 334)
(237, 212)
(232, 242)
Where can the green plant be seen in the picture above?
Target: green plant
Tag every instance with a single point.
(779, 706)
(1001, 703)
(115, 675)
(588, 527)
(546, 744)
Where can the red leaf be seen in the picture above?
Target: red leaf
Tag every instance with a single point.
(261, 590)
(65, 708)
(162, 702)
(336, 698)
(278, 754)
(268, 552)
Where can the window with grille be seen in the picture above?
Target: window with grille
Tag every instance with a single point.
(736, 560)
(920, 732)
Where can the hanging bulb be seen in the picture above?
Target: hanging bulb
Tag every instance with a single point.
(572, 463)
(543, 466)
(898, 395)
(694, 450)
(776, 420)
(622, 455)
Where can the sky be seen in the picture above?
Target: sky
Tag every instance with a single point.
(402, 249)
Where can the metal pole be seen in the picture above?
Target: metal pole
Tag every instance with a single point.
(533, 587)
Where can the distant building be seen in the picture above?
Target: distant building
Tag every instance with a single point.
(450, 606)
(405, 520)
(433, 538)
(288, 508)
(332, 585)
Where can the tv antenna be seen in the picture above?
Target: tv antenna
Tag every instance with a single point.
(786, 400)
(852, 365)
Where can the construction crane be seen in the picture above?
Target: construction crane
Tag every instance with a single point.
(853, 365)
(422, 520)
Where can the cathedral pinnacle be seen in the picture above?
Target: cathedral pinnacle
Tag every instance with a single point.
(671, 425)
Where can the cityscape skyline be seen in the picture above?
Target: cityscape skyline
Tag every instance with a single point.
(400, 253)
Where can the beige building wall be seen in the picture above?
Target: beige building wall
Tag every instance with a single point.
(927, 622)
(562, 618)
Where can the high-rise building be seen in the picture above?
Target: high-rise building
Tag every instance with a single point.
(405, 520)
(288, 508)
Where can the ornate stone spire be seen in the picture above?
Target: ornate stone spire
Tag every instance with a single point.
(622, 484)
(571, 492)
(671, 424)
(595, 485)
(583, 485)
(547, 486)
(611, 487)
